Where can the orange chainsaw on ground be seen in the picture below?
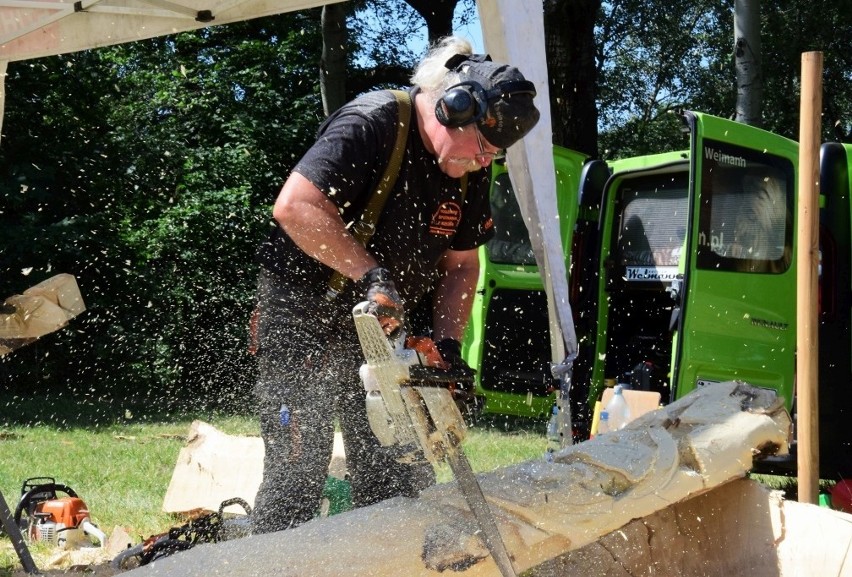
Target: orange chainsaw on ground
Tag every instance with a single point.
(44, 516)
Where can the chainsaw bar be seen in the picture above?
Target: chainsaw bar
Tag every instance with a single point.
(472, 492)
(449, 446)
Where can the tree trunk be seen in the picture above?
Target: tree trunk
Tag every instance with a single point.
(333, 64)
(438, 15)
(747, 58)
(570, 46)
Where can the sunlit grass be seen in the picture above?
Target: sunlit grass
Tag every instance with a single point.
(121, 470)
(489, 448)
(117, 456)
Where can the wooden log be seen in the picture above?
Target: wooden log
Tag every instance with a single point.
(543, 509)
(40, 310)
(739, 528)
(214, 467)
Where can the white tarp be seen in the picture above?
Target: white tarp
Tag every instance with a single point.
(513, 31)
(37, 28)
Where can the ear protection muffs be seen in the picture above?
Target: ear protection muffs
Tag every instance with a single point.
(466, 102)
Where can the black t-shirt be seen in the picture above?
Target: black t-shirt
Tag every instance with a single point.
(424, 214)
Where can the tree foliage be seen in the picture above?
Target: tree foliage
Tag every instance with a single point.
(147, 171)
(658, 57)
(572, 72)
(653, 58)
(790, 29)
(387, 37)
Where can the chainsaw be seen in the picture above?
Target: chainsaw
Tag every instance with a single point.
(211, 528)
(410, 402)
(64, 522)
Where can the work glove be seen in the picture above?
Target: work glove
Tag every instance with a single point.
(462, 388)
(384, 301)
(450, 350)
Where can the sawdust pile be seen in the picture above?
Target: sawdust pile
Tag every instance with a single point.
(102, 570)
(91, 563)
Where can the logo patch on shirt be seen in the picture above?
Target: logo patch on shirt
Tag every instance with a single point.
(446, 219)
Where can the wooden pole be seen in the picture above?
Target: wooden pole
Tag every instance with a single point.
(807, 377)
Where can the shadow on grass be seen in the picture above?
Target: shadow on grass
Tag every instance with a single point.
(507, 423)
(73, 412)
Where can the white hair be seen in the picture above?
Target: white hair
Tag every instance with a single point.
(431, 74)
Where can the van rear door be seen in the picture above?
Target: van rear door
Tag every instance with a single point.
(738, 298)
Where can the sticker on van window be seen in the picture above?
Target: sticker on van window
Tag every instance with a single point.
(650, 273)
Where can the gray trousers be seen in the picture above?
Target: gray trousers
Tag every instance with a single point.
(308, 374)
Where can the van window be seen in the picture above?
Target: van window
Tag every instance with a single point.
(652, 226)
(511, 242)
(746, 214)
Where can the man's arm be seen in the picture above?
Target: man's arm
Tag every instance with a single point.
(313, 222)
(454, 293)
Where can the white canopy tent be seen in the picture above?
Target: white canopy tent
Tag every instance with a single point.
(36, 28)
(513, 31)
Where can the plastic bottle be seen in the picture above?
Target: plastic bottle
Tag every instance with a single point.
(554, 440)
(619, 412)
(603, 423)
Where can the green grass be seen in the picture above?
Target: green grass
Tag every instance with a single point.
(119, 464)
(119, 457)
(789, 485)
(488, 448)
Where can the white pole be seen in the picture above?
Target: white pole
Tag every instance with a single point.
(3, 65)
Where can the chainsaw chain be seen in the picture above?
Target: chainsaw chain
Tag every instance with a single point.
(206, 529)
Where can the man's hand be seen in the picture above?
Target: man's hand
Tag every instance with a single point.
(385, 302)
(462, 389)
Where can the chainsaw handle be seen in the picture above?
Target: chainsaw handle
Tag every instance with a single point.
(35, 481)
(40, 493)
(234, 501)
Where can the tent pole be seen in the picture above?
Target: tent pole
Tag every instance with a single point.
(7, 521)
(3, 65)
(513, 31)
